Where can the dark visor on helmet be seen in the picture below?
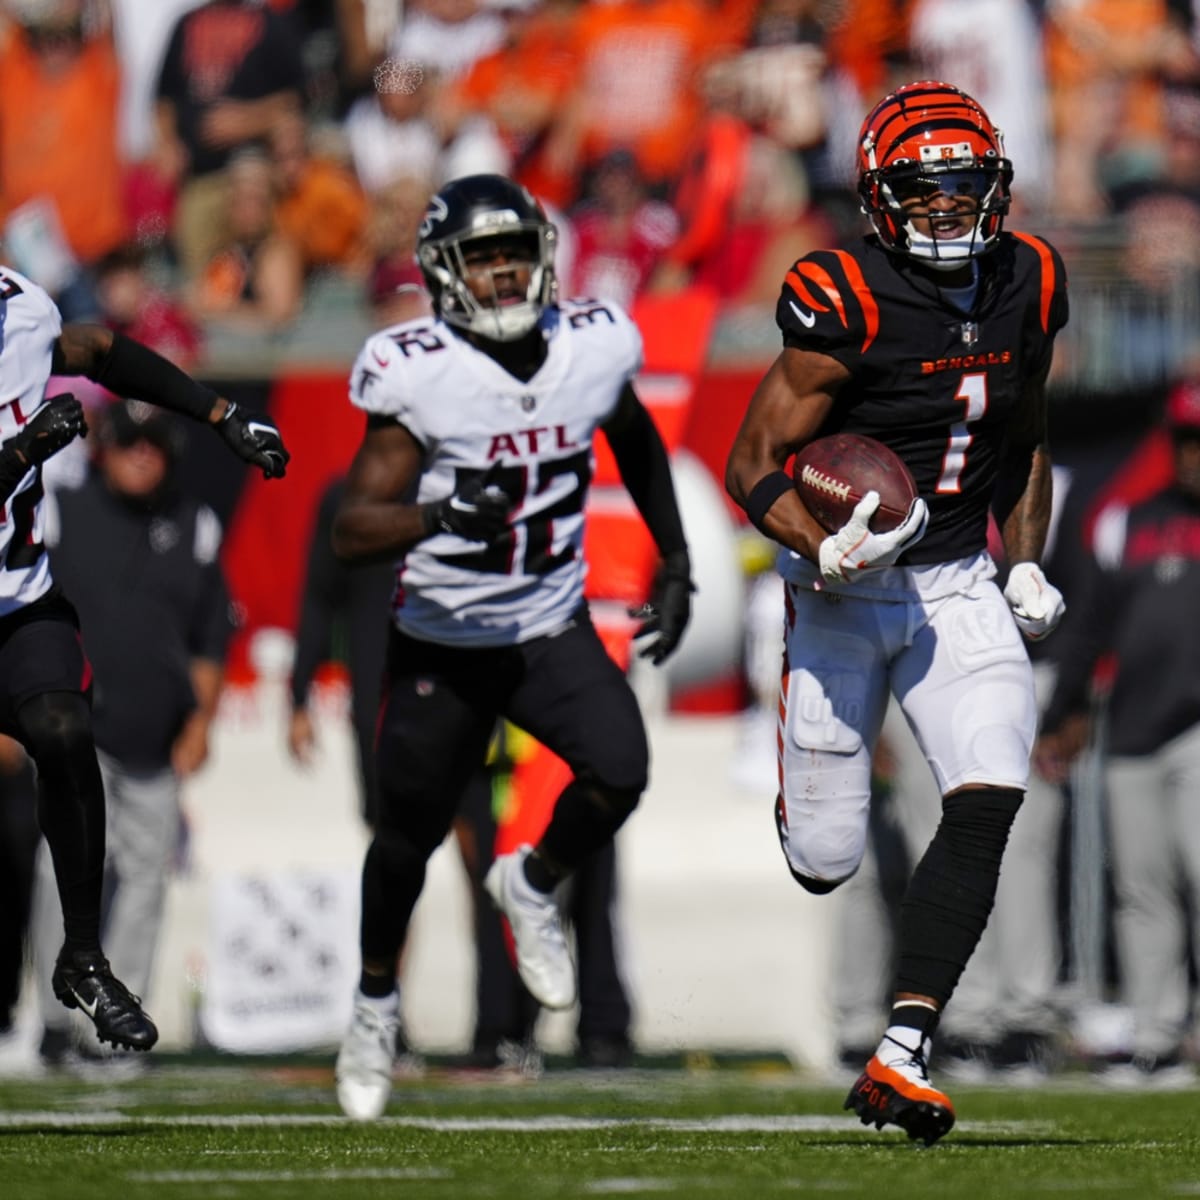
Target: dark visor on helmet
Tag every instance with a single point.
(926, 185)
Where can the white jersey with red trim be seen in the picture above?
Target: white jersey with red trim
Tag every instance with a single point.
(469, 414)
(29, 325)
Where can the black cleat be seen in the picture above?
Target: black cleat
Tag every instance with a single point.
(901, 1094)
(84, 980)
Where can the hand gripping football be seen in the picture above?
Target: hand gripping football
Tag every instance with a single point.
(833, 474)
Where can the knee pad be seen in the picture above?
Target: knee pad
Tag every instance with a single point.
(618, 803)
(823, 855)
(56, 730)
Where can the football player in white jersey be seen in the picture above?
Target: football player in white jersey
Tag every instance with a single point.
(45, 678)
(472, 475)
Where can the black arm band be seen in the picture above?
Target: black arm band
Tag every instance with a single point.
(138, 373)
(763, 494)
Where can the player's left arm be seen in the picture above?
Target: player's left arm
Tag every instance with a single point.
(645, 470)
(1022, 509)
(133, 370)
(1024, 490)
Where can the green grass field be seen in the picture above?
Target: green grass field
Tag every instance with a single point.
(240, 1130)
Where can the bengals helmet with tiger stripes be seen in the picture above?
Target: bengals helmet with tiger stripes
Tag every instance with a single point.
(928, 139)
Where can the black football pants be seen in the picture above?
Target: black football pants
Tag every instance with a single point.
(440, 709)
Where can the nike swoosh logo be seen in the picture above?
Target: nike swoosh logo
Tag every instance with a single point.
(89, 1009)
(807, 319)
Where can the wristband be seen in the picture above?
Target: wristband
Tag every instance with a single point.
(764, 494)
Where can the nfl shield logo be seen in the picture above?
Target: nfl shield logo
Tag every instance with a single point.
(970, 333)
(528, 403)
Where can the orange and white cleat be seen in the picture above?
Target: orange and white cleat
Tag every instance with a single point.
(898, 1092)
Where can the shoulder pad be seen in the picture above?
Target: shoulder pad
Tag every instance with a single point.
(826, 304)
(1052, 285)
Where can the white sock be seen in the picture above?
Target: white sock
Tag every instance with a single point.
(385, 1006)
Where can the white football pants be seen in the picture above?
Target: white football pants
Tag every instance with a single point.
(958, 669)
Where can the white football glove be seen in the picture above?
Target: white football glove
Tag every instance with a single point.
(854, 548)
(1037, 605)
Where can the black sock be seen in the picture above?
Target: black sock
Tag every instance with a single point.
(539, 874)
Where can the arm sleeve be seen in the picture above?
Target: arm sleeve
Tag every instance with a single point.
(645, 470)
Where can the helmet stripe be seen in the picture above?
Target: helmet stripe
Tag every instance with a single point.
(957, 123)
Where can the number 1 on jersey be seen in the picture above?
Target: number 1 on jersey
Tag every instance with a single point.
(972, 390)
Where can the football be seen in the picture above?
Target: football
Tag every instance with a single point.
(832, 474)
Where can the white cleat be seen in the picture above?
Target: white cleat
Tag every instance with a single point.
(364, 1063)
(543, 958)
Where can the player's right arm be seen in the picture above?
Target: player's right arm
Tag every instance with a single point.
(786, 411)
(377, 518)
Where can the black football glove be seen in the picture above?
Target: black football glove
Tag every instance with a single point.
(57, 423)
(669, 608)
(254, 439)
(478, 511)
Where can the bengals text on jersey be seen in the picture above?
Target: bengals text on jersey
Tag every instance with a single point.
(935, 382)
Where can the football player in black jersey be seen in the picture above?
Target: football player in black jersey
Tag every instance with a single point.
(934, 334)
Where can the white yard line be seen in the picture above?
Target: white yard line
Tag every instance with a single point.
(488, 1124)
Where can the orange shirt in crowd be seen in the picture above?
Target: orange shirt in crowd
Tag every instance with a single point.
(1098, 40)
(640, 74)
(867, 35)
(522, 87)
(58, 138)
(325, 214)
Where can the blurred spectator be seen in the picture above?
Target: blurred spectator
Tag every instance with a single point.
(232, 68)
(140, 35)
(395, 287)
(1159, 335)
(447, 35)
(1107, 61)
(62, 203)
(394, 131)
(133, 304)
(620, 232)
(346, 607)
(993, 50)
(390, 131)
(639, 67)
(776, 79)
(520, 87)
(320, 205)
(254, 282)
(1138, 612)
(744, 207)
(141, 560)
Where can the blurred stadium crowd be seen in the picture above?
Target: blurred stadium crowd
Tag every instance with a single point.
(204, 176)
(192, 171)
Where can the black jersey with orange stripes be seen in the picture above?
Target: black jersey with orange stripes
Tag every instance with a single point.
(936, 383)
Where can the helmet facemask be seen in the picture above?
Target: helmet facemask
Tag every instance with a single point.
(499, 312)
(925, 142)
